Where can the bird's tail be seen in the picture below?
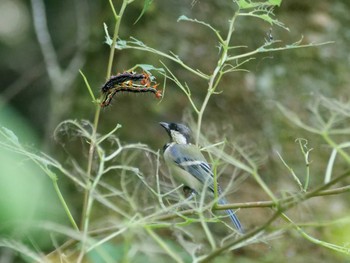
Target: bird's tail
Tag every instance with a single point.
(233, 217)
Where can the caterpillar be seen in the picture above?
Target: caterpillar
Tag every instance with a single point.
(120, 78)
(124, 83)
(111, 94)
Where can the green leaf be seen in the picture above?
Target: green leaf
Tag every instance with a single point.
(10, 135)
(146, 5)
(185, 18)
(148, 67)
(267, 18)
(243, 4)
(121, 44)
(246, 4)
(275, 2)
(107, 36)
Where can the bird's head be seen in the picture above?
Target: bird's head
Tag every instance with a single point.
(179, 133)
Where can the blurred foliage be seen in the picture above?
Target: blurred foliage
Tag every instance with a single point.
(245, 111)
(27, 197)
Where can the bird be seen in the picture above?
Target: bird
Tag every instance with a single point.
(189, 166)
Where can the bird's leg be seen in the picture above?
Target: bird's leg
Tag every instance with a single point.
(189, 193)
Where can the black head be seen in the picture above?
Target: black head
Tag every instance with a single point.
(178, 132)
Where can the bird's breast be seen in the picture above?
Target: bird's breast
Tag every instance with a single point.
(180, 175)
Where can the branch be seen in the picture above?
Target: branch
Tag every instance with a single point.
(61, 79)
(319, 191)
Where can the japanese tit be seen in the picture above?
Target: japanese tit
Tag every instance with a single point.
(189, 166)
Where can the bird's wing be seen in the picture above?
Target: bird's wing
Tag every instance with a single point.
(190, 159)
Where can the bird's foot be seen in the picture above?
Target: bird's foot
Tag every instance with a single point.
(189, 192)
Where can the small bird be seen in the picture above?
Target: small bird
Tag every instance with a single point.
(189, 165)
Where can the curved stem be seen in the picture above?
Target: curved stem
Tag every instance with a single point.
(216, 76)
(335, 146)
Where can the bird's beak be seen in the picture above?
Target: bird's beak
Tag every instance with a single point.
(165, 125)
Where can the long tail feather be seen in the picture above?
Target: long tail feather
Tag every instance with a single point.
(233, 217)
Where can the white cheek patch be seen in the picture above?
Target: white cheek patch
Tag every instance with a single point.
(178, 137)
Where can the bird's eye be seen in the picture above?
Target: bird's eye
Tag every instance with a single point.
(174, 127)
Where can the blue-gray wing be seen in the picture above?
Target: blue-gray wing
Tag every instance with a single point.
(190, 159)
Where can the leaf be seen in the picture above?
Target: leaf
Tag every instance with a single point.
(185, 18)
(243, 4)
(148, 67)
(146, 5)
(10, 135)
(267, 18)
(108, 41)
(121, 44)
(275, 2)
(246, 4)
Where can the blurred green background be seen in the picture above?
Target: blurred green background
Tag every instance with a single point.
(32, 104)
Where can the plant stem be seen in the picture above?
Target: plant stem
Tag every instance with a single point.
(89, 167)
(118, 19)
(214, 80)
(84, 226)
(250, 234)
(283, 207)
(335, 146)
(64, 204)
